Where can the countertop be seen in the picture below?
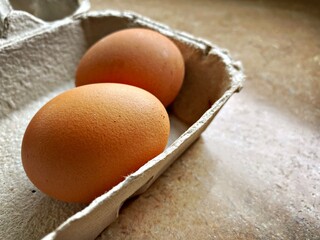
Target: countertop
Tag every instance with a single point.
(255, 172)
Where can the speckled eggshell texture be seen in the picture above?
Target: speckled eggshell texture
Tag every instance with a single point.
(139, 57)
(86, 140)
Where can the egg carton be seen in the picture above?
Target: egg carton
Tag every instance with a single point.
(38, 60)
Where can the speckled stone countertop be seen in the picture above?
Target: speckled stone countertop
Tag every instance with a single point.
(255, 172)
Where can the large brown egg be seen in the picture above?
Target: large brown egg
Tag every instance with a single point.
(139, 57)
(86, 140)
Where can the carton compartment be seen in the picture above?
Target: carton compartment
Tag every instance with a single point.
(42, 64)
(46, 10)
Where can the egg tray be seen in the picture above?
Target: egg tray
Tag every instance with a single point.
(38, 60)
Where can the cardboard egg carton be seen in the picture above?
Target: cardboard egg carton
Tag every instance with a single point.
(38, 60)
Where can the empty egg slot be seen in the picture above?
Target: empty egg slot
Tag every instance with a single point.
(46, 10)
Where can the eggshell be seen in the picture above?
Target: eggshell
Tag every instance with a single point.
(139, 57)
(86, 140)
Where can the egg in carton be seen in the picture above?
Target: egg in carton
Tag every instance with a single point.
(38, 60)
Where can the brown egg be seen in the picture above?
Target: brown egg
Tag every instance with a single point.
(139, 57)
(86, 140)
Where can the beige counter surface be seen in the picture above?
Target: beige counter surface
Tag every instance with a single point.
(255, 172)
